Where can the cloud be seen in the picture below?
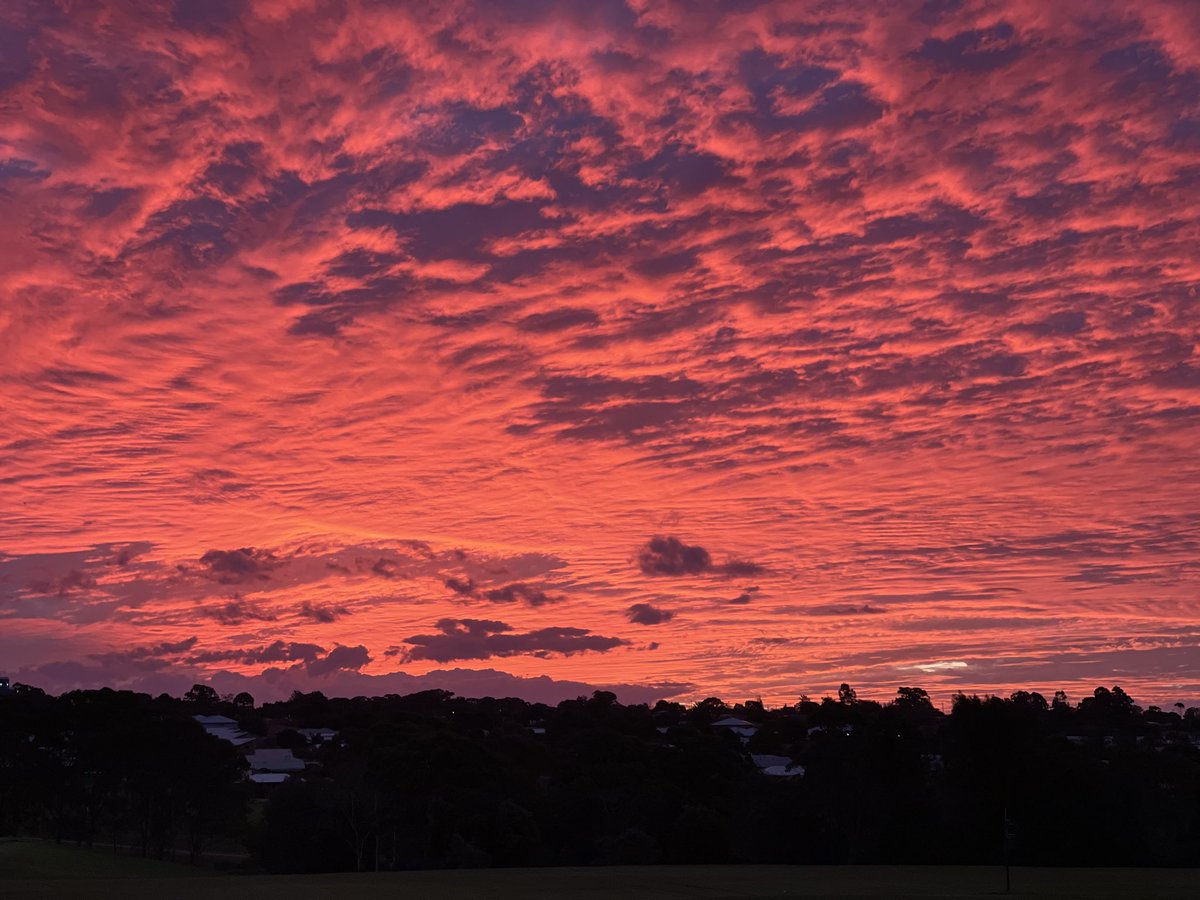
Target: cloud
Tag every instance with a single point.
(518, 592)
(240, 566)
(740, 568)
(648, 614)
(939, 666)
(238, 611)
(841, 610)
(974, 51)
(514, 592)
(72, 581)
(663, 555)
(151, 651)
(323, 613)
(339, 659)
(275, 652)
(559, 319)
(276, 684)
(386, 568)
(486, 638)
(462, 586)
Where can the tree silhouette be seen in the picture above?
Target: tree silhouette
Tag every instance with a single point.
(203, 696)
(432, 780)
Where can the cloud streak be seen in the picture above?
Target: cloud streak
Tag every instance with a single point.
(486, 638)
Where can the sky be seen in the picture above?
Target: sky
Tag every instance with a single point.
(526, 348)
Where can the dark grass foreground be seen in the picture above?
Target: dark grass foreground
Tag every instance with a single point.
(49, 872)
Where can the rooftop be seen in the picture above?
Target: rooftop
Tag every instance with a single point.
(272, 760)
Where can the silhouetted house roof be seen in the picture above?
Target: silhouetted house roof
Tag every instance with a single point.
(215, 720)
(779, 766)
(740, 727)
(226, 729)
(274, 761)
(233, 736)
(269, 777)
(317, 735)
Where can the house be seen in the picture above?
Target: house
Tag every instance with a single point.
(743, 729)
(317, 735)
(226, 729)
(273, 766)
(269, 777)
(275, 761)
(777, 766)
(216, 721)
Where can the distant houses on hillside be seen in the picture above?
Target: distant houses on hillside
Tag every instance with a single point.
(278, 750)
(267, 764)
(273, 765)
(226, 729)
(271, 758)
(776, 766)
(317, 735)
(743, 729)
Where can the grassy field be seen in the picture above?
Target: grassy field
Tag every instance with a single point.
(30, 860)
(48, 872)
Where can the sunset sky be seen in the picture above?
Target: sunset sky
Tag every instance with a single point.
(684, 348)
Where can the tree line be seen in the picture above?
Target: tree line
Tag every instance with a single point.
(434, 780)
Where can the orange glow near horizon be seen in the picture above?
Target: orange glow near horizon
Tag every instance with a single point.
(630, 345)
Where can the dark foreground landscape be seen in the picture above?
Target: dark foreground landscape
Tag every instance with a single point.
(434, 781)
(40, 872)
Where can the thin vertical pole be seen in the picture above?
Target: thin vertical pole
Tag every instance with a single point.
(1007, 861)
